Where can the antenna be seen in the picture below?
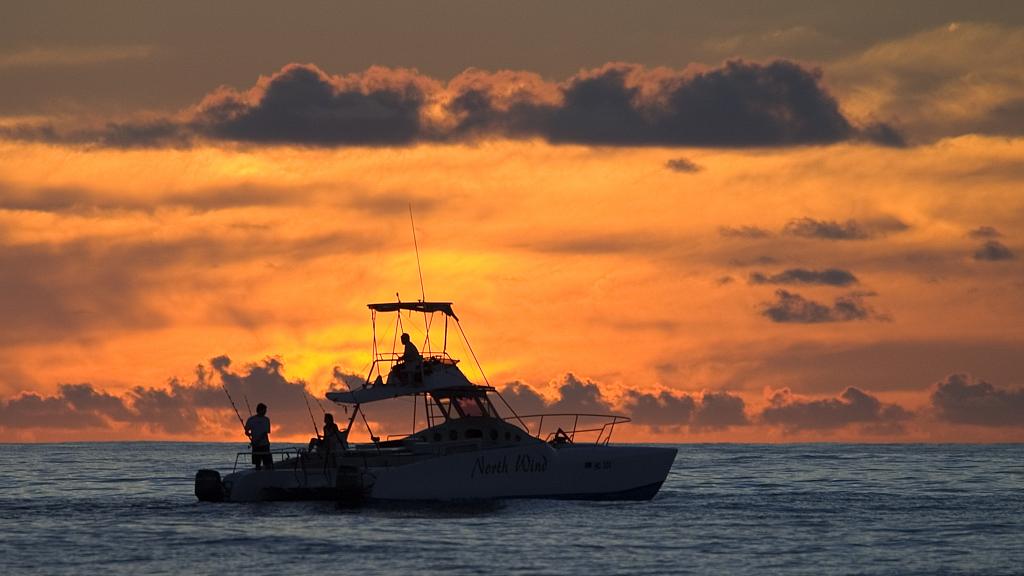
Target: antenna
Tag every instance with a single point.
(423, 292)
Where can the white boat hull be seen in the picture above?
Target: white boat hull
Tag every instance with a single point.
(536, 470)
(531, 471)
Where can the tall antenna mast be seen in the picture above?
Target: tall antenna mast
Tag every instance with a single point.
(423, 292)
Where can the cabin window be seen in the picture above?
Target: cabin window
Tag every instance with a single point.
(453, 435)
(474, 433)
(470, 407)
(450, 411)
(508, 435)
(494, 434)
(437, 436)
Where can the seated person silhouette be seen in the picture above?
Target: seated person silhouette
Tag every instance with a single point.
(333, 441)
(412, 362)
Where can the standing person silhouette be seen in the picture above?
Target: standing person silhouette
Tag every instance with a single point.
(257, 428)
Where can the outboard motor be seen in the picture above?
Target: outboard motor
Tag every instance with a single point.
(209, 488)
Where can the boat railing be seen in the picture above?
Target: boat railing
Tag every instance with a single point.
(279, 455)
(429, 356)
(385, 362)
(574, 427)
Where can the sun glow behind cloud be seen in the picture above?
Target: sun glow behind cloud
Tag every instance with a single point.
(776, 248)
(592, 260)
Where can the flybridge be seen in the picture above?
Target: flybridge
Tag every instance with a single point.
(391, 375)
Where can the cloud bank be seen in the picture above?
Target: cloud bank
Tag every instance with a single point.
(961, 399)
(200, 407)
(853, 406)
(181, 409)
(739, 104)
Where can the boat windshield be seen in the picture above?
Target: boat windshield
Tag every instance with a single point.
(464, 404)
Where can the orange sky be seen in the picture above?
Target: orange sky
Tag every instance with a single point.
(126, 267)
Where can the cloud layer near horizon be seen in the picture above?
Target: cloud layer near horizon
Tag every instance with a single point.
(739, 104)
(200, 408)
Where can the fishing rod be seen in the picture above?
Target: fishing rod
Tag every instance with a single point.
(305, 397)
(321, 404)
(247, 407)
(232, 401)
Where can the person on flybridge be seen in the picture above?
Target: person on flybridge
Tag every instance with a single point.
(257, 428)
(411, 360)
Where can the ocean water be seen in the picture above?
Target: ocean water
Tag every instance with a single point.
(129, 508)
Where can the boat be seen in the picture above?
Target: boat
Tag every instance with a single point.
(472, 444)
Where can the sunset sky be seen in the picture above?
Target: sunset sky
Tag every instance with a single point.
(756, 222)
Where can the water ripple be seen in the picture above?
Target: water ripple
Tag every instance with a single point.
(128, 508)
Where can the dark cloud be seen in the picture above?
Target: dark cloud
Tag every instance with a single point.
(303, 105)
(993, 251)
(790, 307)
(827, 277)
(982, 232)
(961, 399)
(265, 382)
(523, 399)
(739, 104)
(718, 410)
(743, 232)
(682, 165)
(849, 230)
(73, 407)
(711, 411)
(663, 411)
(883, 134)
(575, 395)
(180, 409)
(346, 381)
(853, 406)
(825, 229)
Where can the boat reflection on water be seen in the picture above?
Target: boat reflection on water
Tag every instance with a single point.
(466, 450)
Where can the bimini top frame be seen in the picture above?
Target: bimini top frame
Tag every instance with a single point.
(382, 381)
(426, 307)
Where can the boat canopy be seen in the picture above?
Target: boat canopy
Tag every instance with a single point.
(445, 307)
